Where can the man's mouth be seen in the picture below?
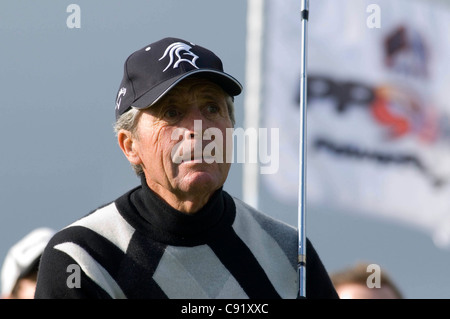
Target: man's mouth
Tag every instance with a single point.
(198, 159)
(194, 155)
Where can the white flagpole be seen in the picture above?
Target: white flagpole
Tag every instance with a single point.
(301, 262)
(255, 14)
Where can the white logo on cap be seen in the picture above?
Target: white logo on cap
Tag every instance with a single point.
(175, 50)
(121, 93)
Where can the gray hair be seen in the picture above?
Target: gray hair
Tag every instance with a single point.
(128, 121)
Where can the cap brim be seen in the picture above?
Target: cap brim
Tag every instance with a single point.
(228, 83)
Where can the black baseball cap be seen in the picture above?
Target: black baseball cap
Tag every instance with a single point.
(151, 72)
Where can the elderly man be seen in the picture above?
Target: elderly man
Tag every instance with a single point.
(179, 234)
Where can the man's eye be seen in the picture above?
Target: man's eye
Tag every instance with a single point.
(171, 113)
(213, 109)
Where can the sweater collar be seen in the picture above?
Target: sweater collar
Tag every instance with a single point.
(172, 224)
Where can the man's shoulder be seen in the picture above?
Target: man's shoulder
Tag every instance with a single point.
(261, 217)
(251, 220)
(104, 224)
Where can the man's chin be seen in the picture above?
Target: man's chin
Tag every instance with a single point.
(201, 180)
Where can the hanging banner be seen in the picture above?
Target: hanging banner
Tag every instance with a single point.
(378, 117)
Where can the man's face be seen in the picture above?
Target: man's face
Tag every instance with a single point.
(171, 143)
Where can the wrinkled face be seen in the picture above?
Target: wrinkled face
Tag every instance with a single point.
(181, 140)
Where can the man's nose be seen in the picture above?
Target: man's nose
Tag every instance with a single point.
(194, 124)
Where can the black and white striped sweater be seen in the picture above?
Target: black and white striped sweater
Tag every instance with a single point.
(139, 247)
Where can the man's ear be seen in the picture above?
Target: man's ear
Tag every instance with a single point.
(129, 145)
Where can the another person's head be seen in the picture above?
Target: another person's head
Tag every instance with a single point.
(174, 111)
(20, 268)
(352, 283)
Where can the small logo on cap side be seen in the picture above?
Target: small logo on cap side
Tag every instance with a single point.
(177, 50)
(121, 93)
